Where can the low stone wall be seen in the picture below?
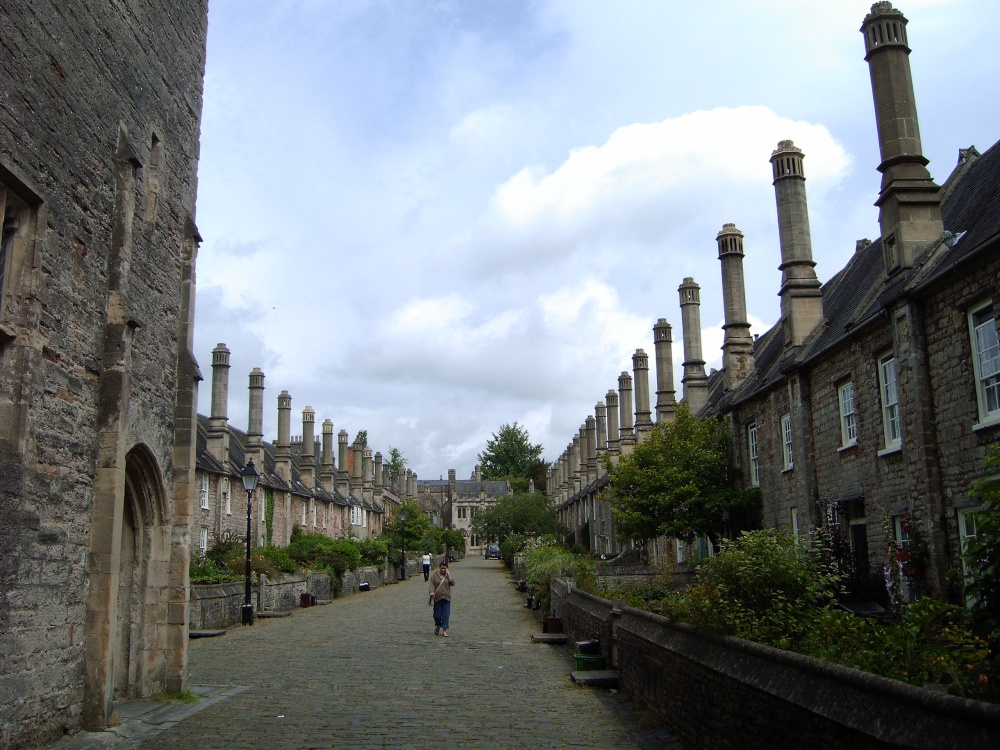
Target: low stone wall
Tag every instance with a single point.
(718, 692)
(215, 606)
(350, 580)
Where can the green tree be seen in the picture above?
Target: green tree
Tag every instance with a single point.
(677, 483)
(396, 465)
(416, 527)
(521, 514)
(511, 454)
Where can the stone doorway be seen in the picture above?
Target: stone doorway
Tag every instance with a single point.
(133, 562)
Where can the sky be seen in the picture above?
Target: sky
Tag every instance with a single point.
(429, 218)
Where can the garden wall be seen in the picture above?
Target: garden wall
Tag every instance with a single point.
(718, 692)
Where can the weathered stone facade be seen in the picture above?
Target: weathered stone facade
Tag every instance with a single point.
(99, 123)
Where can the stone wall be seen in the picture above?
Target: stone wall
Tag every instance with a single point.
(215, 606)
(718, 692)
(100, 119)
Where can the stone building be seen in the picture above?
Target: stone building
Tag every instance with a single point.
(303, 482)
(868, 407)
(453, 503)
(99, 123)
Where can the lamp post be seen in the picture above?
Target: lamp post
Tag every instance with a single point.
(250, 476)
(402, 544)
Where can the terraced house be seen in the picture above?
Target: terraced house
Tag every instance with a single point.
(302, 482)
(869, 406)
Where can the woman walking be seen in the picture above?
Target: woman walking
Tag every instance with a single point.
(440, 597)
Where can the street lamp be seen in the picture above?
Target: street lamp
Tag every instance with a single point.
(402, 544)
(250, 477)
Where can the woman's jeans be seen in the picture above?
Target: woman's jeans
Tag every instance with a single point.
(442, 611)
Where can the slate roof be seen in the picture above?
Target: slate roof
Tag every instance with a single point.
(269, 476)
(860, 292)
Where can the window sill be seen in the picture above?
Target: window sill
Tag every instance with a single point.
(993, 420)
(788, 469)
(847, 447)
(890, 450)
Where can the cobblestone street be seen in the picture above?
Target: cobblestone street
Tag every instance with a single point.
(367, 671)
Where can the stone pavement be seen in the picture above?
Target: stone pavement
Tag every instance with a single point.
(367, 671)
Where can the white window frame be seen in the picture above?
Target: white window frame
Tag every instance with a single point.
(204, 492)
(986, 363)
(787, 447)
(680, 550)
(892, 428)
(793, 525)
(203, 540)
(848, 415)
(753, 454)
(226, 499)
(303, 514)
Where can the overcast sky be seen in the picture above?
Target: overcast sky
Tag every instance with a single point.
(428, 218)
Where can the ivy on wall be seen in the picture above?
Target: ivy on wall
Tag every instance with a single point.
(269, 514)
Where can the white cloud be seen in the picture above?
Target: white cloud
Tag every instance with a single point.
(720, 148)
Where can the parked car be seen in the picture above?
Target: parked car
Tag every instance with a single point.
(492, 550)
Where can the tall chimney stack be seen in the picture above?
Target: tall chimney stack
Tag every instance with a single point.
(601, 412)
(909, 201)
(328, 470)
(694, 380)
(666, 398)
(283, 446)
(307, 460)
(737, 348)
(643, 415)
(614, 431)
(343, 482)
(255, 418)
(801, 298)
(218, 432)
(591, 429)
(626, 430)
(367, 476)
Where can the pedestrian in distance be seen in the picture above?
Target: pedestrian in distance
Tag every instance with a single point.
(440, 597)
(426, 562)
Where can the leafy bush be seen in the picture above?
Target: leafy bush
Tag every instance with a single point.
(762, 586)
(544, 561)
(279, 558)
(930, 642)
(226, 547)
(765, 588)
(319, 552)
(373, 552)
(511, 546)
(204, 570)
